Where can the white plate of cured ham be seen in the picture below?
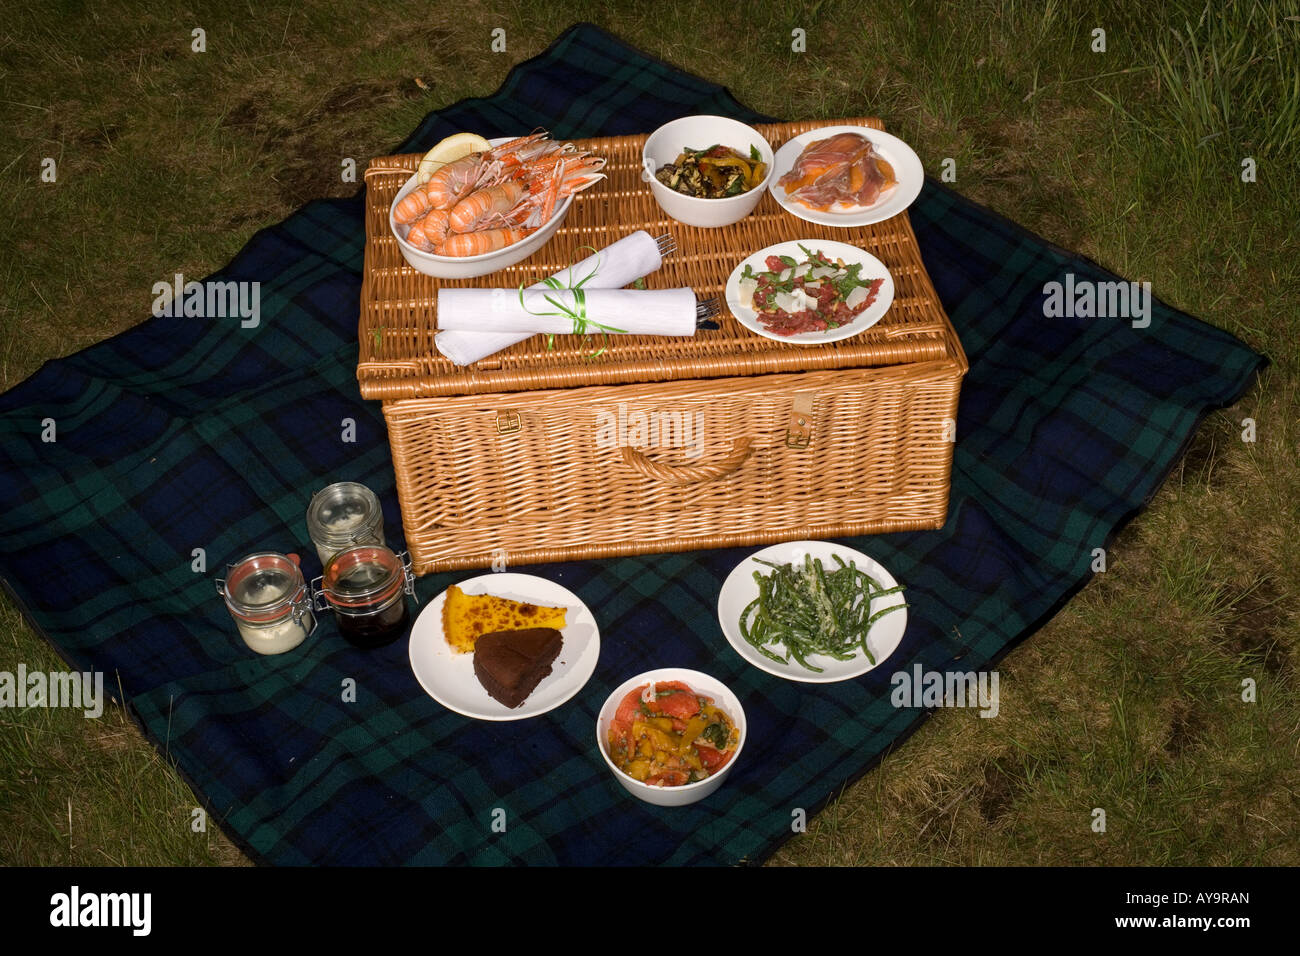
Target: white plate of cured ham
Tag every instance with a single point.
(846, 176)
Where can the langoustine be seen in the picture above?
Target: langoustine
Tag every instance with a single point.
(517, 200)
(429, 231)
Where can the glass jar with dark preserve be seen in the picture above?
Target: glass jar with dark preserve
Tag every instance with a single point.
(366, 588)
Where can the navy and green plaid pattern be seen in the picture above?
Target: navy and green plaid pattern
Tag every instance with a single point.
(196, 433)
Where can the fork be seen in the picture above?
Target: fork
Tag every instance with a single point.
(667, 244)
(707, 310)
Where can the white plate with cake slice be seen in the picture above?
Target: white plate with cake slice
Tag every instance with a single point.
(448, 675)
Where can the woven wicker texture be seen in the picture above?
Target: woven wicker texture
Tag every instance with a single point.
(657, 444)
(565, 473)
(399, 318)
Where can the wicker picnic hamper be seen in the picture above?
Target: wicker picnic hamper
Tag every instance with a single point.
(635, 444)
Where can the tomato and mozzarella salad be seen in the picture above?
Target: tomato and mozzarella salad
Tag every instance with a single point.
(810, 296)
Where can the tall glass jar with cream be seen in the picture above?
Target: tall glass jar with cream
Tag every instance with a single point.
(344, 515)
(269, 599)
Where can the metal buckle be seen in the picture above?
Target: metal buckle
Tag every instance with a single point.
(508, 422)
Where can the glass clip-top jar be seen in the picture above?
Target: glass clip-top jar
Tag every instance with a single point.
(366, 588)
(341, 515)
(266, 595)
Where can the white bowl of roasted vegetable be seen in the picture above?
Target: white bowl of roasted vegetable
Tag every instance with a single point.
(671, 735)
(707, 171)
(812, 611)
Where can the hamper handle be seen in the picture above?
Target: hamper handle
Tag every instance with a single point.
(687, 474)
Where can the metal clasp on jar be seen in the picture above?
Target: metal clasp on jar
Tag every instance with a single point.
(317, 588)
(408, 574)
(303, 606)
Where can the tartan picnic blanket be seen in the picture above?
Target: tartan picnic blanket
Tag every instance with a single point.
(182, 434)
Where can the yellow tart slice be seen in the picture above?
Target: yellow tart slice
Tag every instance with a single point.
(466, 617)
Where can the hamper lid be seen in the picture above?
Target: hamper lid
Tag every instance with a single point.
(398, 305)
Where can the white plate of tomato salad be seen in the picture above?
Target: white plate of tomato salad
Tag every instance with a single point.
(810, 291)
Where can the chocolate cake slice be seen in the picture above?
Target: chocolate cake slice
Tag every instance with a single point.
(510, 664)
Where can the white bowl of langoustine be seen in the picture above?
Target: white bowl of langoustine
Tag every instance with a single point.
(469, 267)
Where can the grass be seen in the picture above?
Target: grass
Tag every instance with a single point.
(1130, 700)
(91, 792)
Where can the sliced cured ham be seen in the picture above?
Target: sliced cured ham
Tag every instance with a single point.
(844, 168)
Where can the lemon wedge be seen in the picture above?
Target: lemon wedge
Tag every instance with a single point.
(449, 150)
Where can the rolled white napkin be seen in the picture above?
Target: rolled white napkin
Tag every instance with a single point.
(627, 260)
(552, 311)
